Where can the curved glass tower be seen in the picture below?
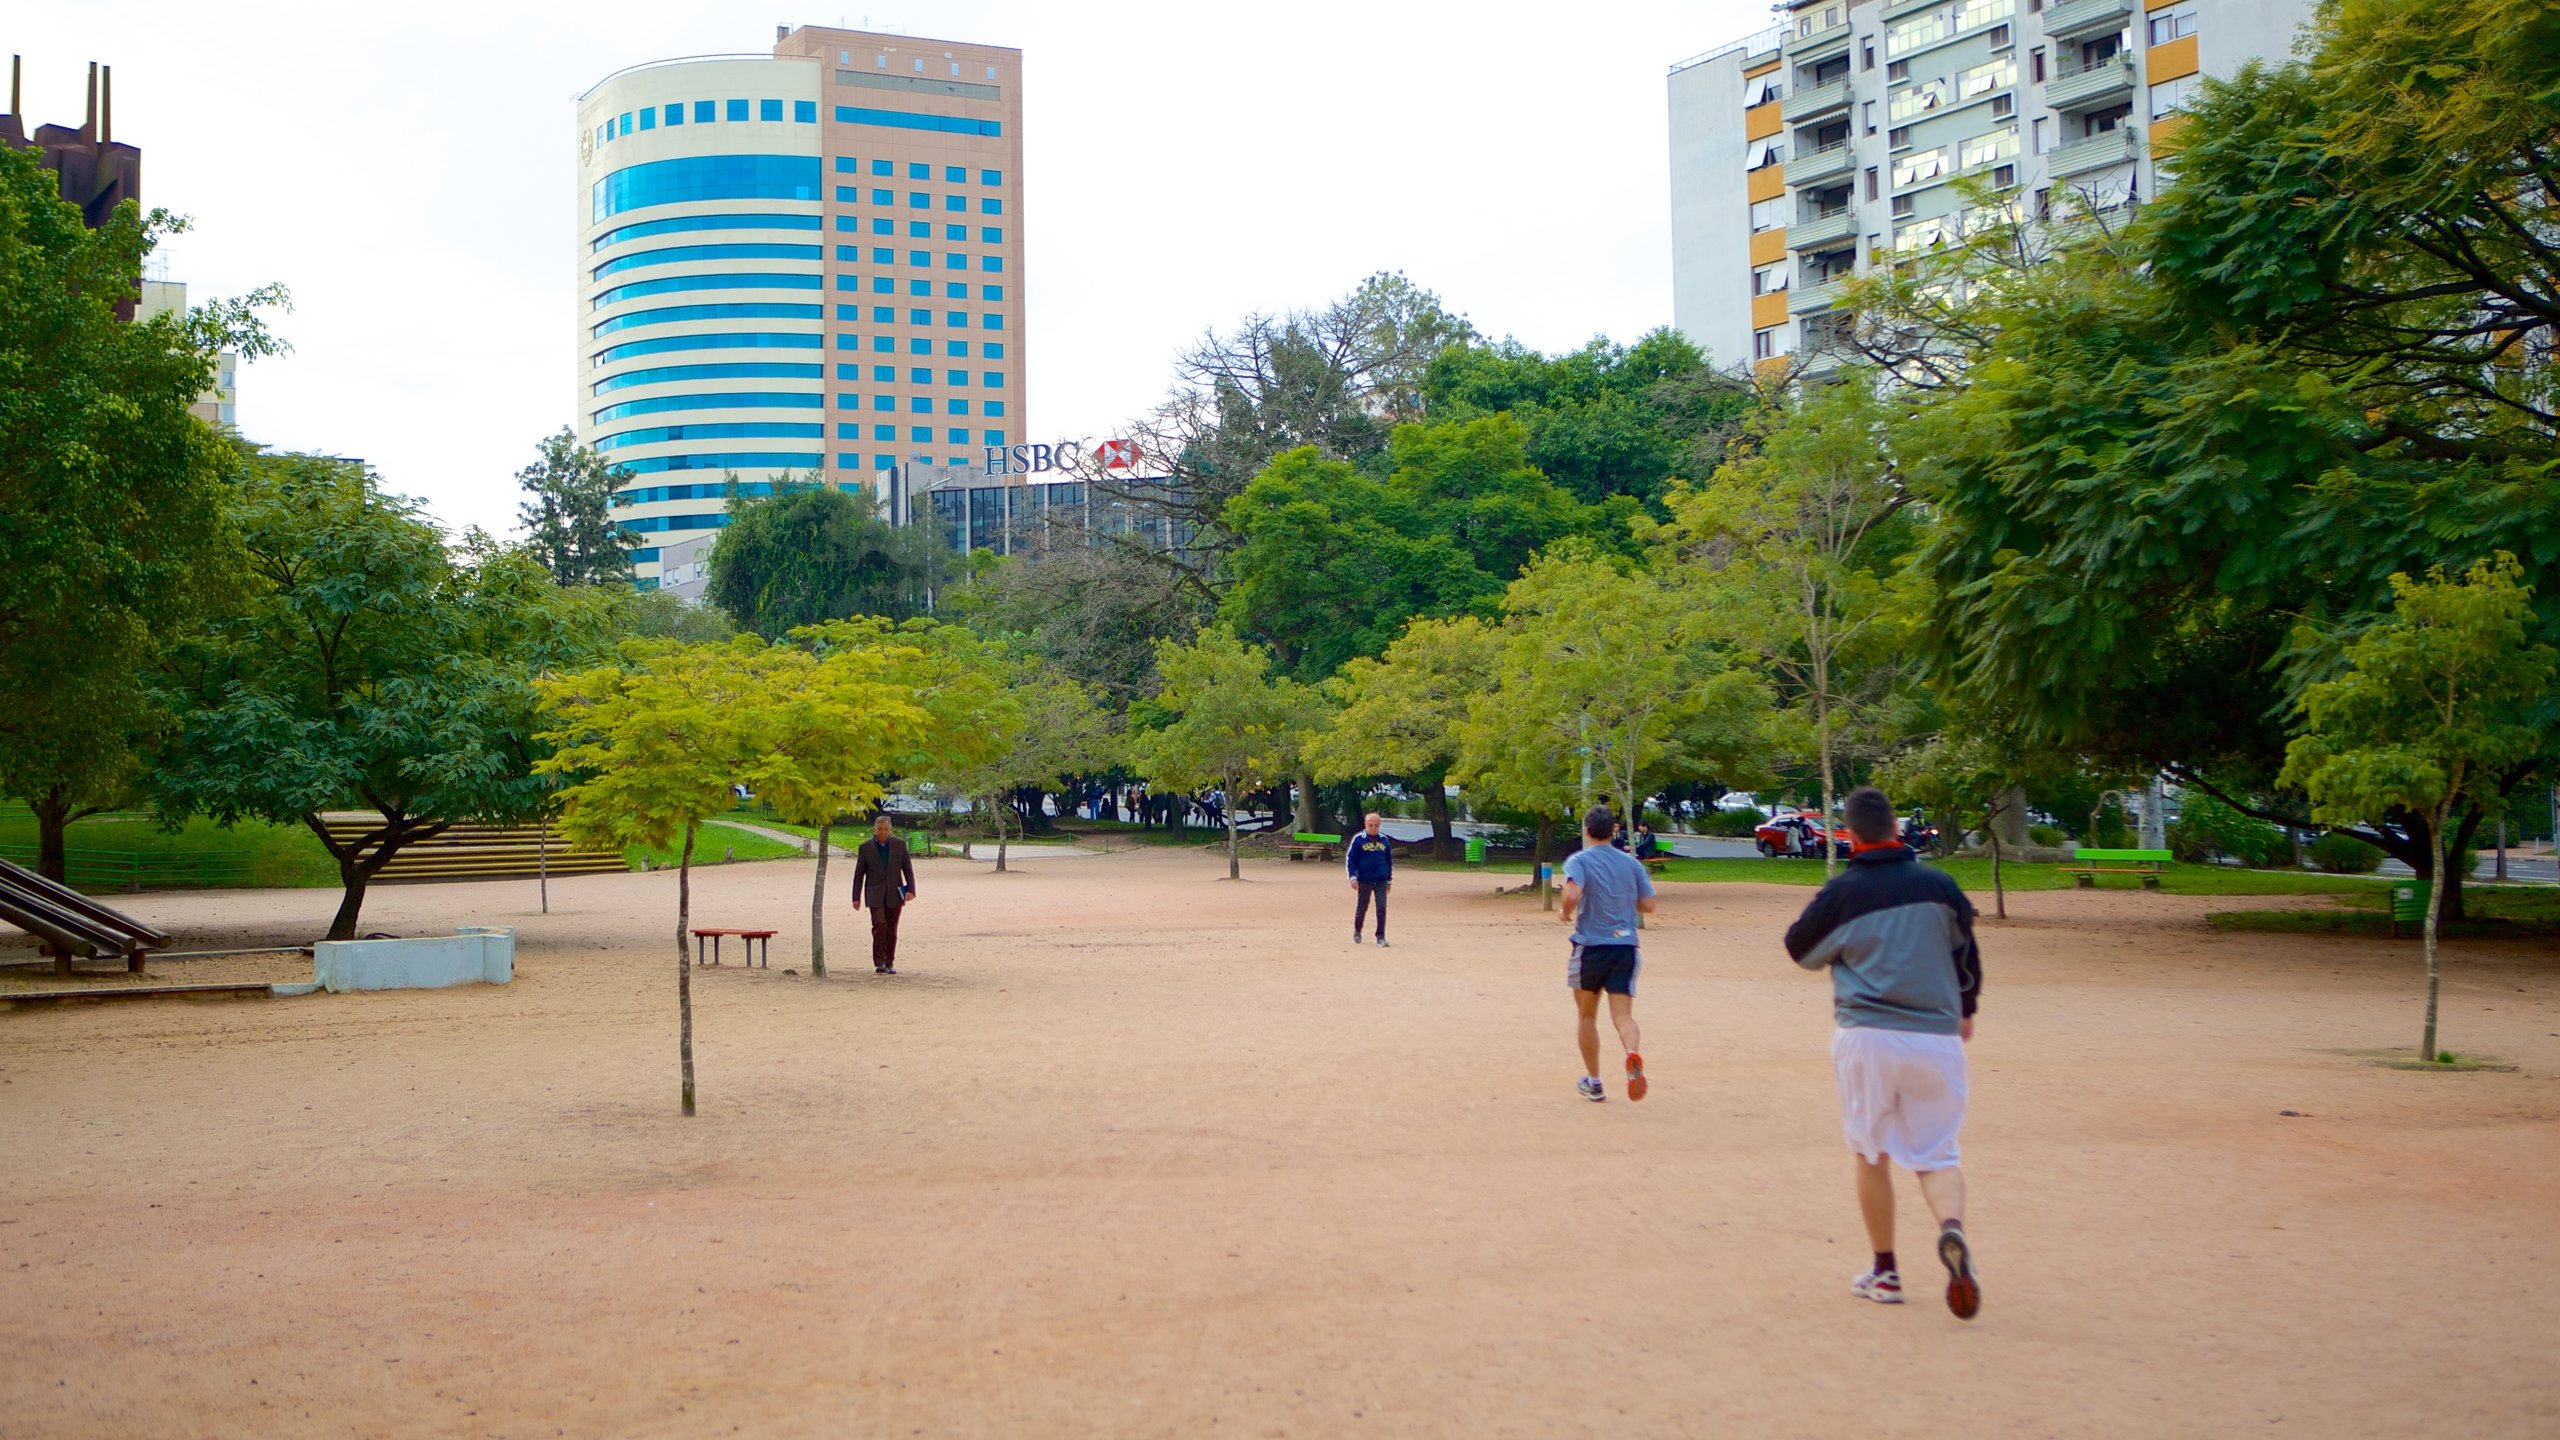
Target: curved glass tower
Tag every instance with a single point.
(803, 267)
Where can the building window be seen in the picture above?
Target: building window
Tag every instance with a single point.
(954, 260)
(918, 200)
(1999, 36)
(1768, 214)
(883, 167)
(991, 350)
(920, 287)
(990, 235)
(992, 379)
(884, 345)
(920, 404)
(2173, 95)
(956, 349)
(1867, 113)
(993, 322)
(2004, 176)
(625, 123)
(1905, 206)
(919, 229)
(991, 207)
(1898, 138)
(956, 407)
(993, 410)
(2173, 24)
(1897, 72)
(769, 110)
(919, 376)
(956, 377)
(804, 112)
(883, 315)
(1868, 56)
(956, 202)
(848, 372)
(921, 434)
(675, 114)
(919, 317)
(1871, 182)
(991, 293)
(884, 432)
(1767, 279)
(956, 233)
(2035, 65)
(919, 171)
(1920, 167)
(845, 431)
(704, 111)
(1764, 344)
(649, 118)
(884, 197)
(920, 345)
(882, 255)
(847, 165)
(884, 374)
(848, 195)
(2003, 106)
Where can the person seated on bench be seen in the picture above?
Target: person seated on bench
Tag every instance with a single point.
(1648, 846)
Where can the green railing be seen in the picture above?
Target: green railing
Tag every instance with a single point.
(129, 870)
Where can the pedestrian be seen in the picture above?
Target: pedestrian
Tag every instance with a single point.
(884, 877)
(1604, 890)
(1370, 857)
(1897, 937)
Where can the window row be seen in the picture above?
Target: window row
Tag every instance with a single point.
(951, 289)
(680, 254)
(918, 375)
(911, 120)
(917, 345)
(735, 460)
(919, 404)
(768, 341)
(884, 315)
(726, 400)
(661, 434)
(920, 434)
(918, 170)
(919, 200)
(682, 223)
(705, 177)
(919, 229)
(674, 284)
(675, 314)
(880, 61)
(883, 255)
(705, 112)
(661, 494)
(668, 374)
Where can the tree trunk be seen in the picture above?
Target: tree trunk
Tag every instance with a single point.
(684, 967)
(53, 825)
(1822, 742)
(1999, 897)
(1435, 808)
(818, 909)
(2009, 815)
(1304, 797)
(999, 810)
(1234, 871)
(2435, 908)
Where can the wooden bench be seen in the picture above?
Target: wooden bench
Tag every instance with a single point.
(1306, 845)
(2087, 864)
(1653, 863)
(748, 937)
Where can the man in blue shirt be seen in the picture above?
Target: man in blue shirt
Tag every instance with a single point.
(1371, 859)
(1605, 889)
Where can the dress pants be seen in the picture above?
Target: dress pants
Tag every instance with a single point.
(884, 936)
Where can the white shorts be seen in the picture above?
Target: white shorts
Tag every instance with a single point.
(1901, 1094)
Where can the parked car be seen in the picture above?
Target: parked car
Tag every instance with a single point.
(1799, 835)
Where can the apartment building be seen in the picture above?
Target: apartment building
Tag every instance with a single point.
(807, 263)
(1817, 148)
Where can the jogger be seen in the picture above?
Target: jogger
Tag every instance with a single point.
(1604, 890)
(1906, 975)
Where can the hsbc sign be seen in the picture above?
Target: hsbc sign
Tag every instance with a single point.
(1043, 459)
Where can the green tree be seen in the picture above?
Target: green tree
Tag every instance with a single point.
(813, 553)
(116, 537)
(1231, 723)
(2432, 705)
(1401, 713)
(649, 746)
(1089, 610)
(836, 724)
(568, 517)
(1055, 728)
(1792, 555)
(365, 666)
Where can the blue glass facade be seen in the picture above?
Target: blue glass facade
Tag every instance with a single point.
(674, 314)
(665, 374)
(677, 284)
(664, 434)
(910, 120)
(630, 348)
(682, 223)
(705, 177)
(678, 254)
(743, 460)
(736, 400)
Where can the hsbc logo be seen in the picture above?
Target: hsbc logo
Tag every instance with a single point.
(1043, 459)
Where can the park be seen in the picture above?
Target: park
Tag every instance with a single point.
(2113, 688)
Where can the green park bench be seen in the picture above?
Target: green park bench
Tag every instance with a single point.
(2087, 864)
(1307, 845)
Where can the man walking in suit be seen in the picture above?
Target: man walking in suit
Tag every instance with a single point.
(884, 877)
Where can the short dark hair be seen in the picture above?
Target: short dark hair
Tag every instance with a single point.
(1869, 813)
(1598, 823)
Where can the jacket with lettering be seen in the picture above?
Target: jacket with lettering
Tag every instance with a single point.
(1370, 857)
(1897, 937)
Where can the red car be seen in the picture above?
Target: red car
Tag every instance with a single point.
(1800, 836)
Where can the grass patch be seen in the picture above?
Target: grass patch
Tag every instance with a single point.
(709, 844)
(107, 852)
(2490, 913)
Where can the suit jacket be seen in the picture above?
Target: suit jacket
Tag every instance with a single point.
(883, 874)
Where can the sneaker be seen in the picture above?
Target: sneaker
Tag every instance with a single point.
(1964, 1290)
(1382, 942)
(1882, 1286)
(1591, 1089)
(1635, 1076)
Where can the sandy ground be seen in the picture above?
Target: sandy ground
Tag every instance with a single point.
(1136, 1152)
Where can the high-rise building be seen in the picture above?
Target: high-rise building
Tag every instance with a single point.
(807, 263)
(1811, 151)
(221, 404)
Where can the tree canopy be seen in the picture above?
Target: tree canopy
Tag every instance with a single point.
(568, 513)
(812, 553)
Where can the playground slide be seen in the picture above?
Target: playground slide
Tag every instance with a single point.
(68, 922)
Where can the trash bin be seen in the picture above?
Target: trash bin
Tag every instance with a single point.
(2408, 904)
(1475, 850)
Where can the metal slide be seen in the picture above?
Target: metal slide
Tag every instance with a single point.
(70, 924)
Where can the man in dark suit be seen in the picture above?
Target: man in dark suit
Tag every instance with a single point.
(884, 877)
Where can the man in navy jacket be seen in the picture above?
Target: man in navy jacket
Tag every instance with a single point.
(1897, 937)
(1370, 857)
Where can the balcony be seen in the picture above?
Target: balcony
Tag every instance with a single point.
(2112, 147)
(1825, 231)
(1807, 49)
(1817, 102)
(1830, 163)
(1820, 296)
(2068, 18)
(1896, 9)
(2104, 83)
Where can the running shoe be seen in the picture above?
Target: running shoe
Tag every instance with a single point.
(1882, 1286)
(1591, 1089)
(1635, 1076)
(1382, 942)
(1964, 1291)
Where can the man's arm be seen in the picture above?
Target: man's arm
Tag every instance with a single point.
(1644, 893)
(1572, 901)
(861, 868)
(1814, 926)
(907, 869)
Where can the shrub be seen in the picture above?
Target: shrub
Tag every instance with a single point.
(2344, 855)
(2207, 829)
(2047, 835)
(1733, 824)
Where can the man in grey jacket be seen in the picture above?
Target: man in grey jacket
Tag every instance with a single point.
(1897, 937)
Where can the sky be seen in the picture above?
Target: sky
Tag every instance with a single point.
(409, 173)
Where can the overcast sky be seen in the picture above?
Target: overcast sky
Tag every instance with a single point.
(409, 172)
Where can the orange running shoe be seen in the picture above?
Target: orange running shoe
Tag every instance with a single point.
(1635, 1076)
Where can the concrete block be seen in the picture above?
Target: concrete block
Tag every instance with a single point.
(470, 955)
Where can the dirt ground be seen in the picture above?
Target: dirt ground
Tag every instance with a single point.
(1132, 1151)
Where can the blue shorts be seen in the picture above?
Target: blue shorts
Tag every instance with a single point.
(1602, 967)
